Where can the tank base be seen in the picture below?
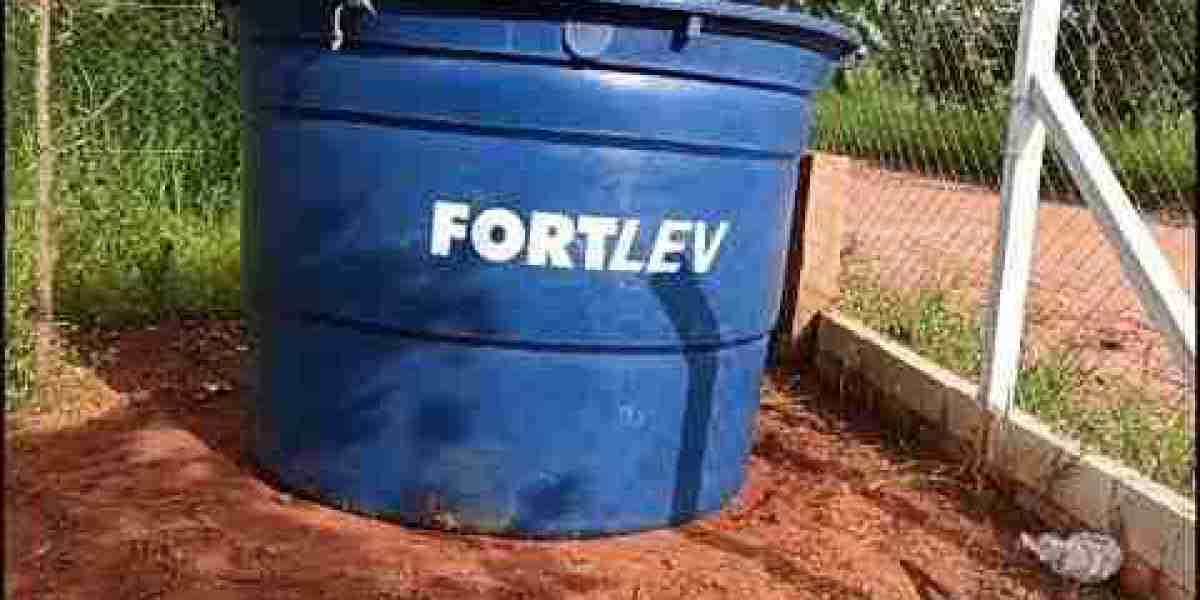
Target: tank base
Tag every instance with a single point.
(502, 441)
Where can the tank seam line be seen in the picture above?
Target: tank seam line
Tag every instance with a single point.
(573, 138)
(373, 328)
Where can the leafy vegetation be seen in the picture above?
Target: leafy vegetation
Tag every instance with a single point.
(1123, 61)
(148, 181)
(874, 119)
(19, 148)
(932, 93)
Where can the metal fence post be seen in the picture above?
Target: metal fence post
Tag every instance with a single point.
(1011, 267)
(46, 353)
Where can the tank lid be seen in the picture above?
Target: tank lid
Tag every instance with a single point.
(844, 39)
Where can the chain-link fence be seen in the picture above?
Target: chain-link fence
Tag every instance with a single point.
(924, 117)
(144, 104)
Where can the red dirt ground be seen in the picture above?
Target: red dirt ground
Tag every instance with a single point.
(140, 493)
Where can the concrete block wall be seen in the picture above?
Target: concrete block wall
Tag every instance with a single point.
(1047, 473)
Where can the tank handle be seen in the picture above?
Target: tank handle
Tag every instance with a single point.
(337, 35)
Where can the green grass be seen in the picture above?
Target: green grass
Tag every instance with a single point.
(18, 305)
(1119, 421)
(877, 120)
(148, 182)
(18, 191)
(928, 320)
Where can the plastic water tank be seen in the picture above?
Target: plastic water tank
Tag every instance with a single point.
(512, 265)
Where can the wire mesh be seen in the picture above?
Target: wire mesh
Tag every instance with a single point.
(924, 114)
(145, 104)
(147, 128)
(145, 99)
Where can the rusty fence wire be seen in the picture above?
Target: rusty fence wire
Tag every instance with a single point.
(922, 119)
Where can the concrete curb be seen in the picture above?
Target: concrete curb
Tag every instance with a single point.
(1050, 475)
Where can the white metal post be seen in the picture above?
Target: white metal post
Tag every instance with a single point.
(1142, 261)
(1024, 148)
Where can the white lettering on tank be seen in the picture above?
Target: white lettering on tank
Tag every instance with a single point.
(449, 224)
(498, 235)
(666, 243)
(549, 236)
(596, 230)
(706, 251)
(620, 260)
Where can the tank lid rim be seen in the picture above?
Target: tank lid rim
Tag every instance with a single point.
(848, 40)
(838, 36)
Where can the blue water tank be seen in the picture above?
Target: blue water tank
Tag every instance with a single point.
(512, 265)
